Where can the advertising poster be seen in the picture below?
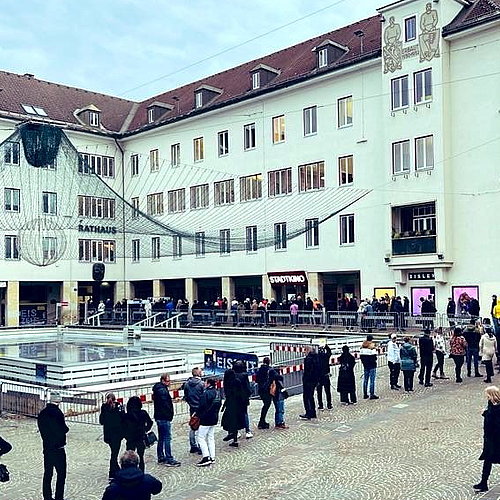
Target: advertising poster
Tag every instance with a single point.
(380, 292)
(416, 293)
(217, 362)
(462, 295)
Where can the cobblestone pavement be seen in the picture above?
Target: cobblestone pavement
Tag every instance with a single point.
(401, 447)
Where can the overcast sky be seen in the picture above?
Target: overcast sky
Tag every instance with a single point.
(113, 46)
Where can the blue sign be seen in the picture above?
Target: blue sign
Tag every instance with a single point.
(217, 362)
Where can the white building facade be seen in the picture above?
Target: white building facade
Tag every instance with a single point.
(361, 162)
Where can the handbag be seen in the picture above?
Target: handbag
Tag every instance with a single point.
(150, 439)
(272, 388)
(4, 473)
(194, 422)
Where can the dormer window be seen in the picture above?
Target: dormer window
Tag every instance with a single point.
(93, 118)
(262, 75)
(157, 110)
(322, 58)
(90, 116)
(205, 94)
(328, 52)
(255, 80)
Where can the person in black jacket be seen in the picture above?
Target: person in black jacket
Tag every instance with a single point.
(426, 348)
(130, 483)
(163, 414)
(324, 353)
(208, 412)
(491, 443)
(53, 430)
(112, 419)
(280, 394)
(473, 337)
(310, 379)
(235, 407)
(137, 423)
(262, 379)
(346, 383)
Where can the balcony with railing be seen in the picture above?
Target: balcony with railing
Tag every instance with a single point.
(414, 229)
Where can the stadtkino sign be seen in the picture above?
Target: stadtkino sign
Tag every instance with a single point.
(288, 278)
(89, 228)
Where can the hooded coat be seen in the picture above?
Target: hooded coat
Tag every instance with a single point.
(346, 381)
(132, 484)
(491, 443)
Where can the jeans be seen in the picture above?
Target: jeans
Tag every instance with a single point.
(140, 447)
(266, 403)
(394, 371)
(163, 448)
(440, 363)
(425, 369)
(472, 354)
(193, 442)
(54, 459)
(408, 379)
(488, 364)
(114, 445)
(369, 375)
(308, 398)
(247, 422)
(458, 359)
(279, 413)
(324, 381)
(206, 440)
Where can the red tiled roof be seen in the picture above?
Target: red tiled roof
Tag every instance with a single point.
(479, 12)
(294, 63)
(59, 101)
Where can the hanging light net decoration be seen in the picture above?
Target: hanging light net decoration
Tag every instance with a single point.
(53, 178)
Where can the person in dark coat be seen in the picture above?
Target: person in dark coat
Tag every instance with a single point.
(193, 389)
(310, 379)
(426, 347)
(280, 394)
(137, 423)
(235, 407)
(208, 412)
(240, 370)
(408, 355)
(130, 482)
(346, 383)
(53, 430)
(112, 419)
(324, 353)
(491, 442)
(262, 380)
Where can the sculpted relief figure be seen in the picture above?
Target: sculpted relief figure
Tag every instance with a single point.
(393, 47)
(428, 41)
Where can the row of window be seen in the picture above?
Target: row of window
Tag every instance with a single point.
(346, 237)
(49, 247)
(422, 89)
(310, 177)
(12, 201)
(424, 155)
(310, 127)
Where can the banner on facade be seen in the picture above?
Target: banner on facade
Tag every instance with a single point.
(217, 362)
(288, 278)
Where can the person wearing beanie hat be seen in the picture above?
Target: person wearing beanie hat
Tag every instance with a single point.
(53, 430)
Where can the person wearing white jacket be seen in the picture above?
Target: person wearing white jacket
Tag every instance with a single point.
(487, 349)
(394, 362)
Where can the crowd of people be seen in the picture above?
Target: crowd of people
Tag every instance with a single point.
(472, 346)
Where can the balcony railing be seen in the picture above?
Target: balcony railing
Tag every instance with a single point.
(414, 245)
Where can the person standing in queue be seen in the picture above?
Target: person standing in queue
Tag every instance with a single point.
(193, 389)
(458, 346)
(53, 430)
(491, 439)
(234, 407)
(263, 382)
(310, 379)
(112, 418)
(346, 383)
(163, 415)
(394, 362)
(408, 364)
(426, 347)
(137, 423)
(324, 354)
